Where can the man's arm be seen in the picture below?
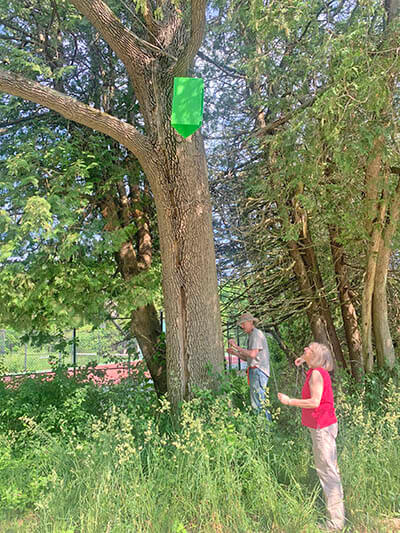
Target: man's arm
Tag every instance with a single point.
(242, 353)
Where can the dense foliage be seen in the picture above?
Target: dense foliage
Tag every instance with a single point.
(305, 168)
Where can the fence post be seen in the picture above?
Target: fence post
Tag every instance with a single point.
(74, 350)
(26, 359)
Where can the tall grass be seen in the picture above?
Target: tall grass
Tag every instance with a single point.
(216, 467)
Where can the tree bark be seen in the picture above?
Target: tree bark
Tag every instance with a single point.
(118, 212)
(317, 322)
(377, 202)
(385, 355)
(321, 315)
(383, 340)
(348, 310)
(374, 302)
(319, 289)
(384, 345)
(194, 340)
(392, 8)
(146, 329)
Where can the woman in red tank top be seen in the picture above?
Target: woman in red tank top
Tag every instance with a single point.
(318, 414)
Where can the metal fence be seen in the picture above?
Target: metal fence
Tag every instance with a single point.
(25, 359)
(19, 359)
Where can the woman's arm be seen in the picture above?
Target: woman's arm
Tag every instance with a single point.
(316, 389)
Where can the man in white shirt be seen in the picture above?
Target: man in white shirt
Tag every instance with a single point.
(257, 357)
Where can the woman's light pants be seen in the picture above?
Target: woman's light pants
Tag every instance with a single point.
(325, 457)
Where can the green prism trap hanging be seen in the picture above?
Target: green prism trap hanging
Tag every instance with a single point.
(187, 105)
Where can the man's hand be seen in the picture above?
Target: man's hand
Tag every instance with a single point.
(232, 351)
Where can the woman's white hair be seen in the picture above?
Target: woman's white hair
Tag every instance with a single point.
(321, 356)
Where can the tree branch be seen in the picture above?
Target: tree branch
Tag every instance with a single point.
(223, 68)
(121, 40)
(197, 27)
(272, 126)
(72, 109)
(159, 49)
(34, 116)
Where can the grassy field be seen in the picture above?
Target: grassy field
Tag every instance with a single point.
(84, 459)
(32, 361)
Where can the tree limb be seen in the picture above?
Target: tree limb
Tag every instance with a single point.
(272, 126)
(72, 109)
(197, 27)
(121, 40)
(35, 116)
(223, 68)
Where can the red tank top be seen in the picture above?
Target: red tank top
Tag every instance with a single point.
(324, 415)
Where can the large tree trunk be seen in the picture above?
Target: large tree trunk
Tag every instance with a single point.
(383, 340)
(392, 8)
(193, 327)
(319, 289)
(317, 323)
(376, 199)
(384, 345)
(177, 172)
(374, 303)
(121, 210)
(146, 328)
(348, 310)
(311, 284)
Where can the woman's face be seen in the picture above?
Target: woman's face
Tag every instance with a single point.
(307, 355)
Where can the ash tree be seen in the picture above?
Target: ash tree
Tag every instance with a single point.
(153, 42)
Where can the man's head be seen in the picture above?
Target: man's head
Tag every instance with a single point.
(247, 322)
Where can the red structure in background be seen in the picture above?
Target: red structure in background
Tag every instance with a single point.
(105, 374)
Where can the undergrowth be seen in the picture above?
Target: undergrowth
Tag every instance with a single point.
(76, 457)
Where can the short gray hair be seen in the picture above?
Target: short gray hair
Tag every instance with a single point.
(321, 356)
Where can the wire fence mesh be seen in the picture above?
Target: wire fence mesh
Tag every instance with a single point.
(19, 357)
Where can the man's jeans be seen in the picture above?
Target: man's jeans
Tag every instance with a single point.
(258, 382)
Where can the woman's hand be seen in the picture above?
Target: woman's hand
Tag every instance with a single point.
(299, 361)
(283, 398)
